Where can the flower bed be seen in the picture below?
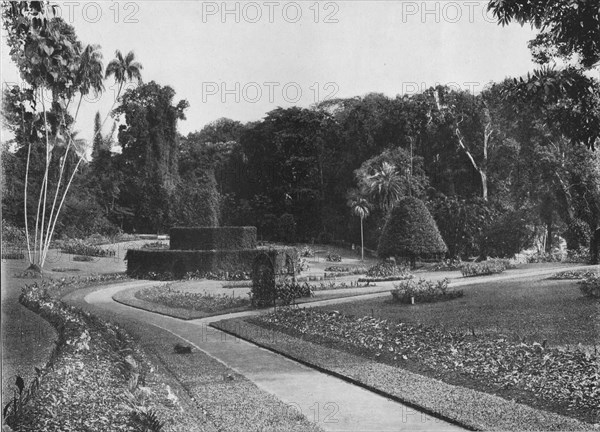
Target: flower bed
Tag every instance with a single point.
(386, 271)
(165, 295)
(95, 379)
(484, 268)
(573, 274)
(564, 380)
(80, 247)
(424, 291)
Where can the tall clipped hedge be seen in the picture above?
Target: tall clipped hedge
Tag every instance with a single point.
(410, 232)
(213, 238)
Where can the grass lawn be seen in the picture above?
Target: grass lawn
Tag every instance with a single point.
(538, 310)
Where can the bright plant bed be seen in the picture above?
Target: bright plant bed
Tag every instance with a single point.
(424, 291)
(80, 247)
(563, 382)
(386, 271)
(484, 268)
(203, 302)
(96, 379)
(469, 408)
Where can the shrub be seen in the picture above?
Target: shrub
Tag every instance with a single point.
(581, 255)
(288, 291)
(12, 235)
(333, 257)
(509, 234)
(590, 286)
(410, 231)
(483, 268)
(307, 252)
(287, 228)
(423, 291)
(577, 234)
(462, 223)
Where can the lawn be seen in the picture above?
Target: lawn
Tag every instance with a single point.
(537, 310)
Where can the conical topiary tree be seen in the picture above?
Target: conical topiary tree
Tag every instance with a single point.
(410, 232)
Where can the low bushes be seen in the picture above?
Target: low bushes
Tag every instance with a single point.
(66, 395)
(573, 274)
(489, 267)
(289, 291)
(424, 291)
(333, 257)
(590, 286)
(80, 247)
(385, 271)
(156, 245)
(307, 252)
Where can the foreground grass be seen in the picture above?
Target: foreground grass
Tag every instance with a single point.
(537, 310)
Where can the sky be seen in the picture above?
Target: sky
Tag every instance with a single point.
(242, 59)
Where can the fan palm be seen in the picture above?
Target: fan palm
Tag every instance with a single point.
(361, 208)
(124, 69)
(386, 185)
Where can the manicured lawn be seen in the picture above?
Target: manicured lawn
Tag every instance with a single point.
(537, 310)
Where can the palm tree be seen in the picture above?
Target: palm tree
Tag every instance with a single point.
(124, 69)
(385, 185)
(361, 208)
(89, 73)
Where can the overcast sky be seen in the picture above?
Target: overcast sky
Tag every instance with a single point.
(242, 59)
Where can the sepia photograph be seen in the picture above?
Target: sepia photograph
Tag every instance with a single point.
(310, 215)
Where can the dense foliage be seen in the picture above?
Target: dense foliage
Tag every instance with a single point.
(511, 167)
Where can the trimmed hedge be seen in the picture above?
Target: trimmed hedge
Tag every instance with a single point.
(410, 232)
(180, 262)
(209, 238)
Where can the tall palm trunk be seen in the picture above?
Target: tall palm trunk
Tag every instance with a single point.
(362, 241)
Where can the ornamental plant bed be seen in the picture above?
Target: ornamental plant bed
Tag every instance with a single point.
(66, 394)
(80, 247)
(468, 407)
(560, 381)
(203, 302)
(424, 291)
(386, 271)
(483, 268)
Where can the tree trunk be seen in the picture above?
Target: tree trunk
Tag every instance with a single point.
(362, 241)
(548, 236)
(595, 246)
